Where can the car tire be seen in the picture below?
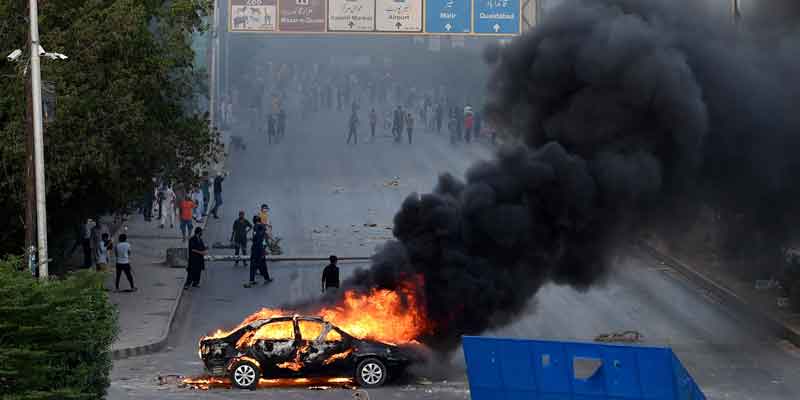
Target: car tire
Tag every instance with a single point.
(245, 375)
(371, 372)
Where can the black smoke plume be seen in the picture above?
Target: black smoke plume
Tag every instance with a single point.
(619, 105)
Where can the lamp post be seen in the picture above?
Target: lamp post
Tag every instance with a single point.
(38, 142)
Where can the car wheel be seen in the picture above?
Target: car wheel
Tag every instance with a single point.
(371, 372)
(245, 375)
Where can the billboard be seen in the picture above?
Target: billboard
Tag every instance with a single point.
(301, 16)
(253, 15)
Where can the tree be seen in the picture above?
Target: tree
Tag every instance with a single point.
(123, 110)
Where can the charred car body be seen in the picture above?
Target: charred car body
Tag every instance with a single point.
(299, 346)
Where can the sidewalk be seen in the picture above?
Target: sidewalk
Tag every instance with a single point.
(145, 316)
(760, 304)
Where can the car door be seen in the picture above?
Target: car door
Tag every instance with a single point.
(275, 343)
(325, 349)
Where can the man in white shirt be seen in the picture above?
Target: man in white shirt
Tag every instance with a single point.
(123, 251)
(168, 212)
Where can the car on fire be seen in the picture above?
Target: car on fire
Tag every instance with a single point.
(299, 346)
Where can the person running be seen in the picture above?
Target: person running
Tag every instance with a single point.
(239, 237)
(123, 253)
(409, 126)
(330, 275)
(258, 255)
(353, 128)
(187, 207)
(373, 120)
(197, 261)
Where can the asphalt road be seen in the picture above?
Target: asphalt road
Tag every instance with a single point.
(322, 192)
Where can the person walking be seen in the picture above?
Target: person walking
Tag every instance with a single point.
(271, 129)
(373, 120)
(123, 253)
(330, 275)
(397, 123)
(197, 261)
(469, 119)
(281, 123)
(353, 128)
(218, 193)
(169, 208)
(187, 207)
(102, 253)
(258, 255)
(239, 237)
(439, 116)
(205, 187)
(409, 126)
(199, 201)
(86, 243)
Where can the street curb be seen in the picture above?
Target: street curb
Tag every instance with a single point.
(725, 294)
(158, 344)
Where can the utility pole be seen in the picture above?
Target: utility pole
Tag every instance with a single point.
(30, 178)
(38, 142)
(736, 12)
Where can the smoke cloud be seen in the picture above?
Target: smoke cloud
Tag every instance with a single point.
(620, 106)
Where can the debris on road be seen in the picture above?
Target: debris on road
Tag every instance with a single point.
(395, 182)
(620, 337)
(172, 379)
(338, 189)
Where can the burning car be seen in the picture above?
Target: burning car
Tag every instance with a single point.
(292, 346)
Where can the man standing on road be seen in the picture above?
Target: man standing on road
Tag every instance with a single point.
(258, 256)
(239, 237)
(217, 193)
(330, 275)
(397, 123)
(169, 208)
(353, 128)
(373, 120)
(123, 252)
(409, 126)
(187, 209)
(197, 253)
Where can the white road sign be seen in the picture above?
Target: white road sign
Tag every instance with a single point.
(351, 15)
(253, 15)
(398, 15)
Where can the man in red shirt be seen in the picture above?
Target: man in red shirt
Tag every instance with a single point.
(187, 207)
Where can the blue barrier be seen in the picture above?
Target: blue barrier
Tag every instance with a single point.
(511, 369)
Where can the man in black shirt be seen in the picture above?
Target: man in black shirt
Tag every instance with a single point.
(330, 275)
(197, 252)
(239, 237)
(218, 193)
(258, 256)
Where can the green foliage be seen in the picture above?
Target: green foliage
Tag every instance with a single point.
(54, 336)
(123, 106)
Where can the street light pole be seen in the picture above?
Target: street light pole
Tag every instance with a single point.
(38, 142)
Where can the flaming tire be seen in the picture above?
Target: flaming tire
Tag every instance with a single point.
(245, 375)
(371, 372)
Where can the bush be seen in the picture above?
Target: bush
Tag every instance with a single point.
(55, 337)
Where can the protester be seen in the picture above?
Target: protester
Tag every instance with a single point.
(330, 275)
(103, 250)
(123, 253)
(196, 265)
(373, 120)
(204, 187)
(397, 123)
(199, 201)
(86, 243)
(169, 208)
(258, 255)
(409, 126)
(218, 193)
(241, 226)
(353, 127)
(187, 207)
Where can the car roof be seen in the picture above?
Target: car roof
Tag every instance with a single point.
(259, 322)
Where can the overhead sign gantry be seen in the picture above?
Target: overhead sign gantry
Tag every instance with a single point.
(411, 17)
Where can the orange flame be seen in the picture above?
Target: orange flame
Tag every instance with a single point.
(297, 363)
(205, 383)
(390, 316)
(338, 356)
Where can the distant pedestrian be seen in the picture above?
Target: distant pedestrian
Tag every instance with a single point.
(187, 207)
(239, 237)
(439, 117)
(272, 129)
(281, 123)
(258, 255)
(205, 187)
(86, 243)
(353, 128)
(397, 123)
(123, 253)
(218, 193)
(168, 213)
(95, 239)
(330, 275)
(469, 120)
(373, 120)
(409, 126)
(197, 261)
(102, 253)
(199, 201)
